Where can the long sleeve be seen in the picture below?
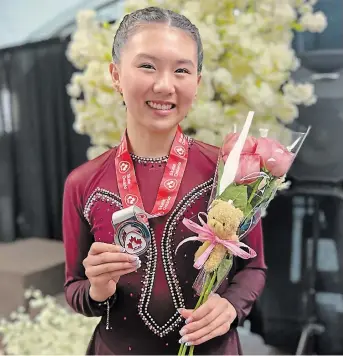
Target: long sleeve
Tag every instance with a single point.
(249, 280)
(77, 241)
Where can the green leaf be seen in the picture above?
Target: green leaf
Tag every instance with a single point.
(269, 191)
(238, 194)
(224, 268)
(247, 210)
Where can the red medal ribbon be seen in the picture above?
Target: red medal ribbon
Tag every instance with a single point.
(171, 180)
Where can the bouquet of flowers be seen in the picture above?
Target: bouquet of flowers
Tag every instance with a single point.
(250, 171)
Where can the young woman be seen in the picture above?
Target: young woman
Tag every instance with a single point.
(144, 301)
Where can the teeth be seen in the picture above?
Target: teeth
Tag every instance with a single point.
(159, 106)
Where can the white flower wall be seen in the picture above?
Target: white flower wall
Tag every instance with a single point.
(47, 328)
(248, 64)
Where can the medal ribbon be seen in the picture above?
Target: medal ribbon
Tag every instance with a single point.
(171, 180)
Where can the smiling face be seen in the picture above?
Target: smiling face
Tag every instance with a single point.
(157, 76)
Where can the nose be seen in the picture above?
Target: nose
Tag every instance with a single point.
(164, 84)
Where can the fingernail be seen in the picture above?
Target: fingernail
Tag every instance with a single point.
(189, 320)
(134, 258)
(123, 249)
(182, 340)
(179, 310)
(189, 343)
(183, 332)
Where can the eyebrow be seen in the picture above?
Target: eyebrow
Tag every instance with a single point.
(153, 58)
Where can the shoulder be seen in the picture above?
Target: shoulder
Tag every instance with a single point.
(202, 162)
(82, 176)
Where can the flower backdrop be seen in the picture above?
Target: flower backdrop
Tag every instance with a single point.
(45, 328)
(248, 64)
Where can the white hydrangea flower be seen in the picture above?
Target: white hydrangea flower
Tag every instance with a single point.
(286, 110)
(85, 18)
(284, 13)
(207, 135)
(28, 293)
(223, 80)
(299, 93)
(314, 22)
(74, 90)
(305, 8)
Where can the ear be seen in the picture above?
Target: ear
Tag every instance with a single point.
(198, 82)
(114, 71)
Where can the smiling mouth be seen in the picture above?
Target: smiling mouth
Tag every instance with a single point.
(157, 106)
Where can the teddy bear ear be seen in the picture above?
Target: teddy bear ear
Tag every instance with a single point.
(214, 203)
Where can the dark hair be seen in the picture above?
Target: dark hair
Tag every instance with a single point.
(131, 21)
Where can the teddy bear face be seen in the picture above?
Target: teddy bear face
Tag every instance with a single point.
(224, 220)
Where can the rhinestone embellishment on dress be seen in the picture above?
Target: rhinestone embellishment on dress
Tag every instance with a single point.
(174, 219)
(157, 160)
(168, 265)
(103, 195)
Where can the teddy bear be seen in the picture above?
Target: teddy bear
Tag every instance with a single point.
(224, 220)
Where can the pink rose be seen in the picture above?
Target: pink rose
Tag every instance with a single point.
(275, 158)
(249, 168)
(231, 139)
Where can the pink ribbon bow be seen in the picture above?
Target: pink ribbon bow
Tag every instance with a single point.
(206, 234)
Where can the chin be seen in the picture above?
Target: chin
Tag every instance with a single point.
(162, 125)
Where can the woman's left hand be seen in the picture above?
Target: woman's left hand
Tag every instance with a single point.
(212, 319)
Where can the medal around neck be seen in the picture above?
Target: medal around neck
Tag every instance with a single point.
(131, 230)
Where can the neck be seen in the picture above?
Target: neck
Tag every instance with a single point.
(145, 143)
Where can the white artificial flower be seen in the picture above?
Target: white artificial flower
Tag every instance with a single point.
(206, 89)
(206, 114)
(21, 309)
(105, 99)
(258, 96)
(305, 8)
(207, 135)
(192, 7)
(74, 90)
(132, 5)
(49, 333)
(212, 44)
(314, 22)
(299, 93)
(283, 57)
(222, 78)
(286, 110)
(85, 18)
(28, 293)
(284, 13)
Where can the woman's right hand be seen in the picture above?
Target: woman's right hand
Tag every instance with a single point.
(104, 265)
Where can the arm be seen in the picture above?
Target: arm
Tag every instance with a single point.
(249, 280)
(77, 240)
